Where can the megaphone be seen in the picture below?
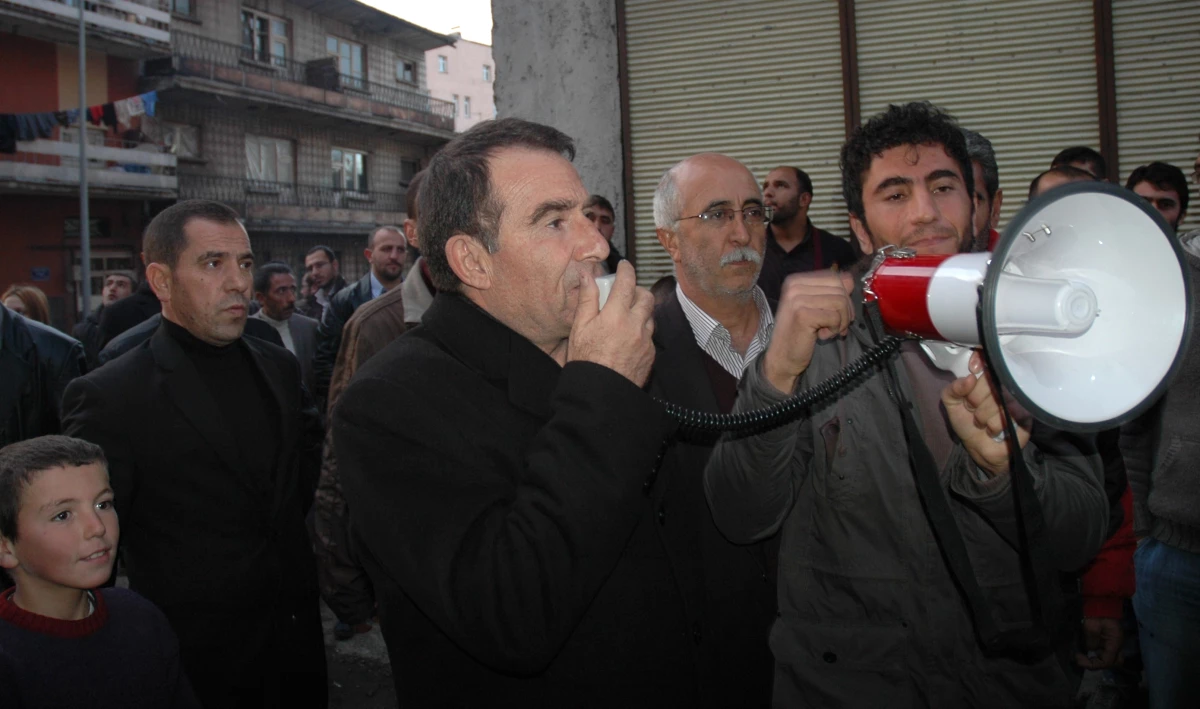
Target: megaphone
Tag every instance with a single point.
(1083, 306)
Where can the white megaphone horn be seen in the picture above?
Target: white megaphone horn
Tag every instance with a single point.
(1084, 306)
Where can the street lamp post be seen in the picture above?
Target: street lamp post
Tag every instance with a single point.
(85, 242)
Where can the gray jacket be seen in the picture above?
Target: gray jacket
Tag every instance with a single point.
(1162, 448)
(869, 614)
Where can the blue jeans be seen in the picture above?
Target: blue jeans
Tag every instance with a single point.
(1167, 603)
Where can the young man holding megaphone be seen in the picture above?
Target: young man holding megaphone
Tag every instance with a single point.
(902, 577)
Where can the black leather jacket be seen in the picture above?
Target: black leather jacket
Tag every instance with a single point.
(36, 364)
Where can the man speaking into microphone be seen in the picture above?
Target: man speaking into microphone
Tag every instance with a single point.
(498, 460)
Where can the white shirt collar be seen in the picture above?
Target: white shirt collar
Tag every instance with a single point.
(712, 337)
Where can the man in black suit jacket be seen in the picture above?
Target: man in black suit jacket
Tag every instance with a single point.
(213, 451)
(387, 248)
(499, 461)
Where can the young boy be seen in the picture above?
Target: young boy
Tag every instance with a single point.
(64, 641)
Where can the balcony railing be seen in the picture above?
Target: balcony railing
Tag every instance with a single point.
(113, 164)
(317, 80)
(242, 192)
(145, 19)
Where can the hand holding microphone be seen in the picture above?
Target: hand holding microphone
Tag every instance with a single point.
(619, 336)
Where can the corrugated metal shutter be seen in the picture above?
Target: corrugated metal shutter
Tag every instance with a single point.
(759, 81)
(1023, 74)
(1156, 55)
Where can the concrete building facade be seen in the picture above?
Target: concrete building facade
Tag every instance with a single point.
(463, 74)
(559, 65)
(39, 182)
(308, 116)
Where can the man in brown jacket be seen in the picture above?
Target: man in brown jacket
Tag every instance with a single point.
(344, 585)
(870, 612)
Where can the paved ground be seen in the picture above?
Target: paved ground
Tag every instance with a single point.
(359, 675)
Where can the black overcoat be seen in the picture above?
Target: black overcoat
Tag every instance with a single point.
(509, 516)
(223, 553)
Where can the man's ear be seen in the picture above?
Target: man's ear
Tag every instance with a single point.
(669, 238)
(805, 199)
(994, 221)
(8, 556)
(470, 261)
(159, 278)
(367, 255)
(860, 233)
(410, 233)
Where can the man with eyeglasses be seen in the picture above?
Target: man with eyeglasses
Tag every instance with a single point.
(709, 216)
(794, 244)
(867, 490)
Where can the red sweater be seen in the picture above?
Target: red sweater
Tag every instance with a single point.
(1108, 580)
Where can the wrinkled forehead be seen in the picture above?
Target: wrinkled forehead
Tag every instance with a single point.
(204, 235)
(709, 180)
(911, 161)
(523, 180)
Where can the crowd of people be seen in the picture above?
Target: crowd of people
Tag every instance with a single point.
(467, 449)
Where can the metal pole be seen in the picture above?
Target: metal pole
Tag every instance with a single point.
(85, 241)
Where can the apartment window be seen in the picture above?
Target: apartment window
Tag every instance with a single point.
(182, 7)
(350, 61)
(181, 140)
(264, 38)
(466, 106)
(443, 64)
(349, 170)
(487, 73)
(455, 100)
(269, 159)
(406, 72)
(408, 170)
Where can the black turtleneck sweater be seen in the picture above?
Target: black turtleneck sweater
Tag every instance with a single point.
(248, 408)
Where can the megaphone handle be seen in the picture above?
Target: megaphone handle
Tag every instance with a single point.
(955, 359)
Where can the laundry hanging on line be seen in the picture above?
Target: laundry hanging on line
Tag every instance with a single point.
(114, 114)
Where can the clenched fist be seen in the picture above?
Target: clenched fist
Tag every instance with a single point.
(812, 306)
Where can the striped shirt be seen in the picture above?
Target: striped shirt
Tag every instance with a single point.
(715, 340)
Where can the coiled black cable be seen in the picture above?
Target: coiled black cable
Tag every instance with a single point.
(694, 423)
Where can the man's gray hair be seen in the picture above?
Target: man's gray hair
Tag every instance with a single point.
(980, 150)
(666, 200)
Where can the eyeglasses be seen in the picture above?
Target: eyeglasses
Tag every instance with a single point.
(753, 216)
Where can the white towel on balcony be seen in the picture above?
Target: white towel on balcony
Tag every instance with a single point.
(127, 108)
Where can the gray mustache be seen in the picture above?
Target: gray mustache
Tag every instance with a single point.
(741, 253)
